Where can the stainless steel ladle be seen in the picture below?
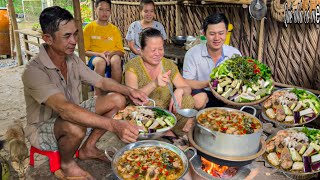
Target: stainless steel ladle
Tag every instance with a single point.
(184, 112)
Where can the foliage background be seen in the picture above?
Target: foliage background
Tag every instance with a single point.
(33, 8)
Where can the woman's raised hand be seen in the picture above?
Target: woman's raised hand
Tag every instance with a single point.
(163, 79)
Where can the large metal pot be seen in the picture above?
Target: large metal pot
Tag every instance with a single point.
(149, 143)
(228, 145)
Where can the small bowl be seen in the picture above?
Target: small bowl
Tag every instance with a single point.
(179, 40)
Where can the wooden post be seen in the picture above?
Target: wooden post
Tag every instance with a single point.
(16, 34)
(261, 38)
(11, 35)
(77, 18)
(92, 9)
(178, 20)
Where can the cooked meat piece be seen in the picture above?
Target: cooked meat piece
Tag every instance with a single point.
(279, 148)
(285, 154)
(267, 104)
(270, 146)
(286, 164)
(280, 115)
(298, 147)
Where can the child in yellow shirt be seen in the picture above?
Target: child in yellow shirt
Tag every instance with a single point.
(103, 43)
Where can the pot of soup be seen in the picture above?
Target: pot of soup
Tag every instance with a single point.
(151, 159)
(228, 132)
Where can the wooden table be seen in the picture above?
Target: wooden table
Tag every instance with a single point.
(27, 41)
(175, 53)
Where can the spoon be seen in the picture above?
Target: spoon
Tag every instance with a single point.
(184, 112)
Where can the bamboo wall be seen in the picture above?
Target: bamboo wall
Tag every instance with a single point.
(293, 53)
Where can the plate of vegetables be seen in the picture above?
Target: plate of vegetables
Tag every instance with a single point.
(291, 107)
(294, 151)
(154, 121)
(241, 81)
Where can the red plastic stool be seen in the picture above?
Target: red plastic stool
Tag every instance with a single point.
(54, 157)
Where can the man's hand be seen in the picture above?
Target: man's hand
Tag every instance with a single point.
(163, 79)
(138, 97)
(105, 56)
(178, 93)
(126, 131)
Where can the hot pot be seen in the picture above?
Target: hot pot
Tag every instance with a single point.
(152, 143)
(227, 145)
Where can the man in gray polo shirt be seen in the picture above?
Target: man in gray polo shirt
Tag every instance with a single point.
(52, 87)
(202, 58)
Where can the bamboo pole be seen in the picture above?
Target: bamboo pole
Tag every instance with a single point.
(77, 18)
(92, 8)
(138, 3)
(178, 20)
(16, 34)
(11, 35)
(261, 39)
(226, 1)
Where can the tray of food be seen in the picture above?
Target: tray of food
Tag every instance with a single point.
(155, 121)
(294, 151)
(241, 81)
(291, 107)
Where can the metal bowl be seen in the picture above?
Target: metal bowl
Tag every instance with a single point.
(285, 125)
(179, 40)
(295, 175)
(156, 135)
(150, 143)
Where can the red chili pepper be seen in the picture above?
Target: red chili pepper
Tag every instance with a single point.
(136, 176)
(244, 131)
(138, 163)
(164, 166)
(159, 163)
(224, 129)
(250, 60)
(167, 173)
(256, 71)
(144, 167)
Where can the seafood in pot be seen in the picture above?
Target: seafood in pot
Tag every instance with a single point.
(229, 122)
(150, 163)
